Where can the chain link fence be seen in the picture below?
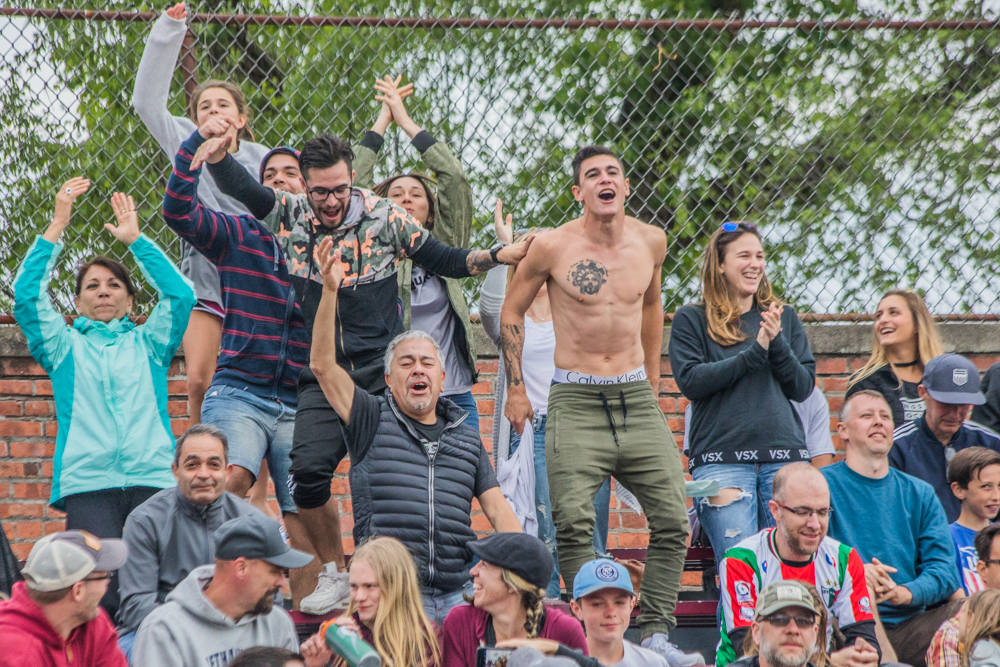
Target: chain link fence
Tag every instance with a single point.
(864, 148)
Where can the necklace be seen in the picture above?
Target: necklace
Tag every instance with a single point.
(907, 364)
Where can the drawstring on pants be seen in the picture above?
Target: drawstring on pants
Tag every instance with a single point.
(611, 418)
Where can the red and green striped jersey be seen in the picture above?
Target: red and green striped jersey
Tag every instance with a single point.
(835, 570)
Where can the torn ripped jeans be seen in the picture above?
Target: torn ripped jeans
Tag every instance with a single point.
(729, 524)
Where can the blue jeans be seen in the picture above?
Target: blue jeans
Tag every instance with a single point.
(467, 403)
(256, 428)
(437, 604)
(125, 644)
(727, 525)
(543, 507)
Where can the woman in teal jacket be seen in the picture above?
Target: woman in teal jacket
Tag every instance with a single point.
(109, 377)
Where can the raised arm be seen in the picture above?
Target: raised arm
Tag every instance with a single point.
(151, 92)
(652, 315)
(336, 383)
(531, 274)
(491, 295)
(366, 152)
(44, 326)
(233, 180)
(165, 326)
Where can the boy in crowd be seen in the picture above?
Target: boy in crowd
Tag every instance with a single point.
(974, 475)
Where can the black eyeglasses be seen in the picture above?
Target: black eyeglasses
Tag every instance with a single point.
(320, 195)
(782, 620)
(806, 512)
(733, 226)
(104, 577)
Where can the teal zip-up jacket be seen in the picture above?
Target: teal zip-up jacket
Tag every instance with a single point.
(109, 380)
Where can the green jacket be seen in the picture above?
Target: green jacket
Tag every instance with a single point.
(452, 223)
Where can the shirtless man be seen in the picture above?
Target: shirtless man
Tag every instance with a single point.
(603, 276)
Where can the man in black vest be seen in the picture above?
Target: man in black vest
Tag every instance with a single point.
(416, 465)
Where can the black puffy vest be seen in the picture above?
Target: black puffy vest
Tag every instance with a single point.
(425, 503)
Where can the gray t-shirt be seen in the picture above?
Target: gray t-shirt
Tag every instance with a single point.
(636, 656)
(431, 312)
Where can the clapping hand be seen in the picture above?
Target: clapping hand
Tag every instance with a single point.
(127, 230)
(770, 325)
(504, 228)
(331, 268)
(212, 151)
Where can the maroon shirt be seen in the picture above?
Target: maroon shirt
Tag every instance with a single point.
(465, 631)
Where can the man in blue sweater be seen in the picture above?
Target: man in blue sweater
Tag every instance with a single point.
(924, 447)
(897, 525)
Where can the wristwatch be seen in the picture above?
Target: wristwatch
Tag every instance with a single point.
(495, 250)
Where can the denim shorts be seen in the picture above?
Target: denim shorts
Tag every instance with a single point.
(257, 428)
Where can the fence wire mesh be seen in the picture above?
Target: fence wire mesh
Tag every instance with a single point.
(864, 148)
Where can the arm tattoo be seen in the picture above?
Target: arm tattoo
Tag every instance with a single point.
(479, 261)
(511, 346)
(589, 275)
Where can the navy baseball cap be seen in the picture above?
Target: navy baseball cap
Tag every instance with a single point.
(600, 574)
(952, 379)
(280, 150)
(256, 536)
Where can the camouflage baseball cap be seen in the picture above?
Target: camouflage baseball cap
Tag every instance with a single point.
(783, 594)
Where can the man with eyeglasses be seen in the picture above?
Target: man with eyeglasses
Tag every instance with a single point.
(924, 447)
(54, 617)
(372, 235)
(898, 526)
(798, 549)
(784, 627)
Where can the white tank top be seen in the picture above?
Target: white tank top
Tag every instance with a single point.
(538, 363)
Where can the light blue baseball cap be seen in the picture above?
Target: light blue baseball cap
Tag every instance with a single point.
(600, 574)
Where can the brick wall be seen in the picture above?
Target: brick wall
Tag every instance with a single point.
(28, 427)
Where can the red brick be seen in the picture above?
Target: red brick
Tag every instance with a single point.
(177, 408)
(53, 513)
(348, 543)
(481, 524)
(177, 387)
(668, 386)
(22, 366)
(8, 529)
(346, 506)
(32, 510)
(346, 524)
(614, 520)
(982, 362)
(11, 469)
(857, 363)
(482, 387)
(835, 385)
(8, 428)
(37, 408)
(28, 530)
(632, 540)
(43, 388)
(485, 424)
(22, 450)
(485, 407)
(492, 366)
(343, 467)
(50, 527)
(4, 490)
(3, 449)
(831, 365)
(31, 491)
(633, 520)
(21, 551)
(682, 404)
(676, 425)
(340, 487)
(667, 405)
(836, 402)
(11, 408)
(665, 366)
(476, 507)
(178, 426)
(175, 367)
(51, 429)
(15, 387)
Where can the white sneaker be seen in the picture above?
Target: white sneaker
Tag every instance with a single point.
(333, 591)
(659, 644)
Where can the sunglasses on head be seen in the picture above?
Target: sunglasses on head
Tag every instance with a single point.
(734, 226)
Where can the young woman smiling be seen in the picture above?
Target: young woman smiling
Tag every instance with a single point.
(904, 339)
(740, 357)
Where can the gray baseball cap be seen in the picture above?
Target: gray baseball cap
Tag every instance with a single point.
(60, 560)
(952, 379)
(783, 594)
(255, 535)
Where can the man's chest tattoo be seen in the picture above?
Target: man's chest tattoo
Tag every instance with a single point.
(588, 275)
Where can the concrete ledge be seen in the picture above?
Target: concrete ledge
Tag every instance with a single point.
(825, 339)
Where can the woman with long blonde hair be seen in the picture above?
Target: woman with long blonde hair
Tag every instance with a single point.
(740, 356)
(979, 630)
(385, 608)
(904, 339)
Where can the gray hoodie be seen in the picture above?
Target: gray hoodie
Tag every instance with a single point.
(985, 653)
(167, 538)
(150, 97)
(188, 631)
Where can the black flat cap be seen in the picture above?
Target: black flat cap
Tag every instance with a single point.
(524, 555)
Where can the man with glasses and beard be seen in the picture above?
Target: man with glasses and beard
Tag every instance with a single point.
(798, 549)
(220, 610)
(784, 626)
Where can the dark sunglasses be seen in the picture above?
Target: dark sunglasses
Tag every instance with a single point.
(104, 577)
(782, 620)
(734, 226)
